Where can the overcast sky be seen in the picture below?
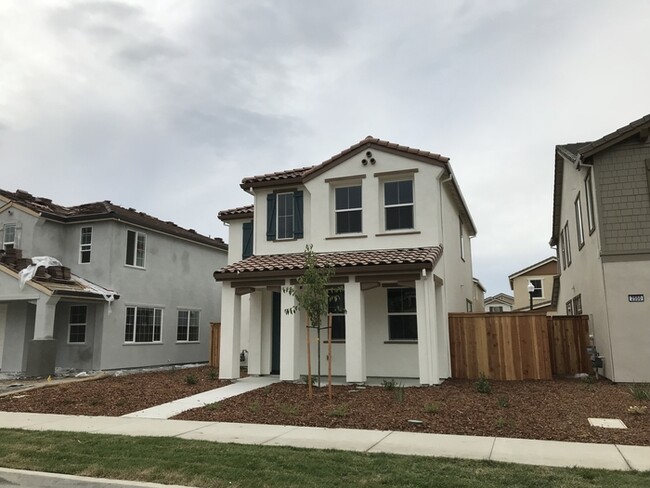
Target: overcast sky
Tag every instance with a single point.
(165, 106)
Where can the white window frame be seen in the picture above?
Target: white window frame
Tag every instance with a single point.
(189, 325)
(389, 314)
(589, 197)
(5, 242)
(540, 287)
(134, 257)
(337, 309)
(462, 239)
(87, 247)
(567, 244)
(135, 324)
(496, 308)
(290, 196)
(77, 324)
(397, 205)
(579, 226)
(562, 249)
(347, 210)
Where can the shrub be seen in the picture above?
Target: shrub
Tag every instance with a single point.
(190, 379)
(640, 391)
(388, 385)
(214, 374)
(340, 411)
(213, 406)
(254, 407)
(287, 409)
(502, 401)
(431, 408)
(483, 385)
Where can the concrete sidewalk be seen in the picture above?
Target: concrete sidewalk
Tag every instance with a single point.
(522, 451)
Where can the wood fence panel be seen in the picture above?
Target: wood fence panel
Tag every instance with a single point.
(215, 343)
(569, 338)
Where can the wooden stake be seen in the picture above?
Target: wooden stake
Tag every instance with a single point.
(329, 355)
(311, 394)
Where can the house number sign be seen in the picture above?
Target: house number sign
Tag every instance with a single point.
(635, 298)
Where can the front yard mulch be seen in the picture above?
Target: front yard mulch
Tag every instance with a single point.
(114, 396)
(553, 410)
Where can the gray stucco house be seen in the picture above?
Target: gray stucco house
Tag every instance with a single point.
(601, 227)
(133, 291)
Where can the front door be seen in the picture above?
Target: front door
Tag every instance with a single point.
(275, 334)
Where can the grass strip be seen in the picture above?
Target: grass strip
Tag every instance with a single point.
(209, 464)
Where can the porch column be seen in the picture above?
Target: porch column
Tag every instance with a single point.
(230, 333)
(355, 334)
(255, 333)
(289, 339)
(427, 330)
(41, 351)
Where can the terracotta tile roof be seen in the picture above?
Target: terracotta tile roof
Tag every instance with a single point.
(106, 210)
(299, 174)
(236, 213)
(292, 264)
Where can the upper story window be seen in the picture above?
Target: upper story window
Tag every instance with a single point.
(402, 314)
(85, 244)
(579, 229)
(496, 308)
(348, 209)
(398, 204)
(462, 239)
(247, 240)
(538, 292)
(337, 308)
(562, 249)
(591, 218)
(136, 244)
(188, 326)
(8, 236)
(77, 324)
(284, 216)
(567, 244)
(143, 324)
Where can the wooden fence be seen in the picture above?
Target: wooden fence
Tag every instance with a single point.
(215, 343)
(516, 346)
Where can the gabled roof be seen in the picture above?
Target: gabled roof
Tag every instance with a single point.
(245, 212)
(530, 268)
(580, 153)
(304, 174)
(500, 298)
(105, 210)
(293, 264)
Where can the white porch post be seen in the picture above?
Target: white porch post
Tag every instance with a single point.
(355, 334)
(230, 333)
(289, 339)
(427, 330)
(44, 321)
(255, 333)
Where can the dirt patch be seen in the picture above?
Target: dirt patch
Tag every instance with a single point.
(553, 410)
(113, 395)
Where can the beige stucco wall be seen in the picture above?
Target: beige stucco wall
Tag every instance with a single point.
(520, 287)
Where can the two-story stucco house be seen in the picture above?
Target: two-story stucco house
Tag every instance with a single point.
(159, 271)
(499, 303)
(392, 222)
(601, 227)
(542, 276)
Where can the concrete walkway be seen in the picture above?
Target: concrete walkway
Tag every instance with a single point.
(522, 451)
(168, 410)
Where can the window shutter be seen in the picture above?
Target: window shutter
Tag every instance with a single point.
(270, 217)
(297, 211)
(247, 248)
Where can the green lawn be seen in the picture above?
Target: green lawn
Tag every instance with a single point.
(207, 464)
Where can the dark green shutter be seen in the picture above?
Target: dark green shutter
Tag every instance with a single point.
(247, 247)
(270, 217)
(297, 211)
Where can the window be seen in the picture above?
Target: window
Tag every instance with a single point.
(247, 240)
(348, 209)
(462, 239)
(85, 244)
(398, 204)
(567, 244)
(591, 218)
(402, 314)
(469, 305)
(538, 292)
(577, 305)
(143, 324)
(495, 308)
(569, 308)
(284, 216)
(188, 326)
(9, 236)
(77, 324)
(136, 243)
(337, 308)
(579, 230)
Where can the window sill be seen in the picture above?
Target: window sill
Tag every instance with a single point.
(346, 236)
(76, 344)
(336, 341)
(403, 341)
(398, 233)
(188, 342)
(142, 343)
(135, 267)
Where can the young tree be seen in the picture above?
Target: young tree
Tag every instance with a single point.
(313, 298)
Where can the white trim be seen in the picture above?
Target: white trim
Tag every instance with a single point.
(277, 216)
(187, 334)
(384, 206)
(135, 250)
(135, 325)
(81, 244)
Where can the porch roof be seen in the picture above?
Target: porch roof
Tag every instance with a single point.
(344, 263)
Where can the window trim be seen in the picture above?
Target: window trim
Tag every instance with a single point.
(347, 210)
(389, 314)
(408, 177)
(589, 197)
(462, 238)
(135, 324)
(77, 324)
(567, 243)
(290, 195)
(495, 308)
(89, 246)
(137, 234)
(540, 288)
(579, 225)
(569, 307)
(4, 234)
(189, 311)
(562, 249)
(339, 313)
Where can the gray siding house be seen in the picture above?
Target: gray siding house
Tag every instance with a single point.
(601, 227)
(139, 291)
